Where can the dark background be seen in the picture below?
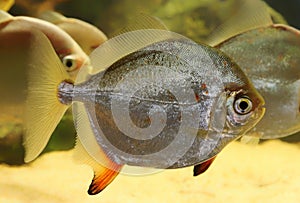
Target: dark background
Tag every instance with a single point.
(290, 9)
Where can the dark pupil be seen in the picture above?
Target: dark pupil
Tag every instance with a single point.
(243, 105)
(69, 63)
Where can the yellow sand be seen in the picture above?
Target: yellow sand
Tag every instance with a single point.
(265, 173)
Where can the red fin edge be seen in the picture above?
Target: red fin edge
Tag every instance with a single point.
(103, 178)
(201, 168)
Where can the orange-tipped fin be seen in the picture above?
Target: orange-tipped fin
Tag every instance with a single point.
(102, 178)
(201, 168)
(104, 173)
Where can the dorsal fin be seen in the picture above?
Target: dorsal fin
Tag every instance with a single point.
(142, 21)
(252, 14)
(52, 16)
(126, 43)
(4, 16)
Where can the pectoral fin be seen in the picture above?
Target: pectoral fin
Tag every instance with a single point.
(201, 168)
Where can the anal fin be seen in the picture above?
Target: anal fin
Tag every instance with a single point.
(201, 168)
(102, 178)
(103, 175)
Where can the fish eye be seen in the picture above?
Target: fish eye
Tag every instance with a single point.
(243, 105)
(70, 63)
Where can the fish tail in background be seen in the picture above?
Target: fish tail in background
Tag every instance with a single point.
(4, 16)
(43, 111)
(252, 14)
(87, 151)
(6, 4)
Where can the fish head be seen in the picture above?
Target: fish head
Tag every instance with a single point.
(245, 108)
(239, 106)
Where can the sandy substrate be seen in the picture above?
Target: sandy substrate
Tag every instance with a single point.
(269, 172)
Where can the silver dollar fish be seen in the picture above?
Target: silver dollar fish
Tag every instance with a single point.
(268, 53)
(275, 73)
(153, 99)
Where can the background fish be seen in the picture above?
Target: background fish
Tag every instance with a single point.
(191, 90)
(66, 48)
(269, 55)
(15, 34)
(275, 75)
(14, 60)
(77, 29)
(195, 19)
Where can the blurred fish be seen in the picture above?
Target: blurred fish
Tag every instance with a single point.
(157, 99)
(251, 14)
(69, 52)
(15, 34)
(5, 5)
(77, 29)
(269, 55)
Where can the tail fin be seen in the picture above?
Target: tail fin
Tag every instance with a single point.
(43, 110)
